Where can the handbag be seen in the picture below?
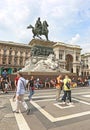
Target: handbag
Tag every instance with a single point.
(68, 85)
(33, 88)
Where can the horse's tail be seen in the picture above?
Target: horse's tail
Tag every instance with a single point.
(30, 26)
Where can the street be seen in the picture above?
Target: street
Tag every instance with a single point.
(46, 113)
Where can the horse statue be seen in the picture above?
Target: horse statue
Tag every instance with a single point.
(40, 30)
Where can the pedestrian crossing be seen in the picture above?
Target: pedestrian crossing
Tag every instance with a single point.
(21, 122)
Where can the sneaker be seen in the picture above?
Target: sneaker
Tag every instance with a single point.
(15, 112)
(70, 103)
(28, 111)
(63, 102)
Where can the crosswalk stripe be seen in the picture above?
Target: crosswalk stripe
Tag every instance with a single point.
(22, 124)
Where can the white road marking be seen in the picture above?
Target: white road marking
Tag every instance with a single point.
(80, 93)
(86, 96)
(9, 115)
(49, 116)
(52, 119)
(72, 116)
(46, 96)
(46, 114)
(53, 95)
(1, 106)
(81, 101)
(22, 124)
(45, 100)
(64, 106)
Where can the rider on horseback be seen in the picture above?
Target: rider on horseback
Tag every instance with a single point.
(38, 26)
(39, 29)
(44, 26)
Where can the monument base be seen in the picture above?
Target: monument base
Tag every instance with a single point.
(43, 61)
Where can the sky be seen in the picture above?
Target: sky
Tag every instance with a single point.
(68, 20)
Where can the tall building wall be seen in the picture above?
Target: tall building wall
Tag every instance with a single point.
(85, 58)
(13, 56)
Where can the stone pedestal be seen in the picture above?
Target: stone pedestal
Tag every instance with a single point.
(43, 60)
(39, 42)
(41, 47)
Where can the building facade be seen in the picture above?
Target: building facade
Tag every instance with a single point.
(69, 56)
(13, 56)
(85, 64)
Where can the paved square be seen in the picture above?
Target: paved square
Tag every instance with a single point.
(58, 111)
(47, 114)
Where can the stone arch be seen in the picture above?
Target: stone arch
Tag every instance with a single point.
(69, 63)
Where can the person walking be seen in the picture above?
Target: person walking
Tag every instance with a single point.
(20, 91)
(59, 84)
(15, 83)
(47, 82)
(67, 90)
(31, 87)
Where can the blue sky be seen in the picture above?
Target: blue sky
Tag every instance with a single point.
(69, 20)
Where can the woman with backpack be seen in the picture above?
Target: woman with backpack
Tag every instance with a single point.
(67, 90)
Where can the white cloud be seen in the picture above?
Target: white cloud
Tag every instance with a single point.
(61, 15)
(22, 34)
(14, 12)
(86, 47)
(74, 39)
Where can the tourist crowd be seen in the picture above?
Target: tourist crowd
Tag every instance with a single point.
(20, 85)
(6, 83)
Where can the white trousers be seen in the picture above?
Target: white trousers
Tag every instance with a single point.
(20, 100)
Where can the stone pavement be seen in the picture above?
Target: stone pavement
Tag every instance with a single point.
(47, 114)
(7, 118)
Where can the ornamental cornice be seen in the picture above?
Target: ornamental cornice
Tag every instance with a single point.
(61, 44)
(13, 44)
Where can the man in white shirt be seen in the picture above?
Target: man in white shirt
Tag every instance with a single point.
(20, 94)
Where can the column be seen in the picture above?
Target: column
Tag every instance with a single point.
(64, 55)
(7, 59)
(12, 60)
(18, 60)
(74, 61)
(56, 51)
(80, 70)
(74, 56)
(74, 68)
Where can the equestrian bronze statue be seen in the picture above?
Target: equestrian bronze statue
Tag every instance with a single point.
(39, 29)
